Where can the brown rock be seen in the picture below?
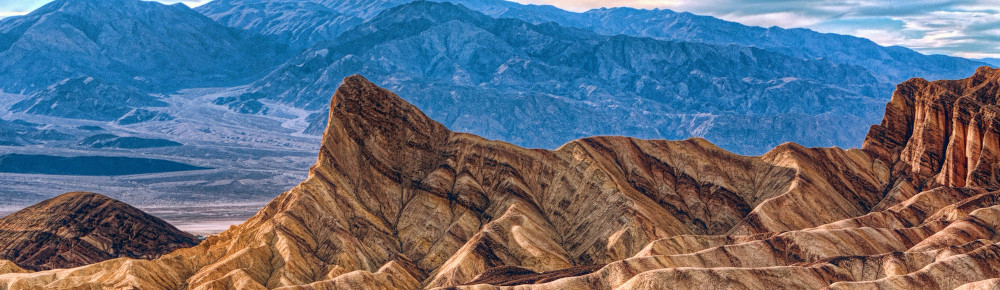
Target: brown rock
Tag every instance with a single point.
(80, 228)
(396, 200)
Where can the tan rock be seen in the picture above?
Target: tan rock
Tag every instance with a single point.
(396, 201)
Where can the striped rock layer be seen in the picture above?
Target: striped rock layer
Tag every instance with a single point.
(397, 201)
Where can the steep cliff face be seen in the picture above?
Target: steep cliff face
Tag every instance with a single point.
(943, 133)
(396, 200)
(81, 228)
(934, 227)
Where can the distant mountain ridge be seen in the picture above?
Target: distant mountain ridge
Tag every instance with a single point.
(565, 83)
(101, 60)
(395, 200)
(664, 24)
(890, 64)
(248, 39)
(299, 24)
(115, 40)
(886, 66)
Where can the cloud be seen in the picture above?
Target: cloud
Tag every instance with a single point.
(966, 28)
(20, 7)
(11, 13)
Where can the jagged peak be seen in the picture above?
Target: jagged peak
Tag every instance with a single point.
(359, 98)
(939, 132)
(426, 11)
(392, 184)
(376, 124)
(983, 75)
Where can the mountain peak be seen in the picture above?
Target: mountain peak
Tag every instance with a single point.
(80, 228)
(114, 40)
(397, 201)
(943, 132)
(986, 74)
(366, 119)
(435, 11)
(75, 6)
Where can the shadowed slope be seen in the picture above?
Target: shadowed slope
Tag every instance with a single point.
(79, 228)
(396, 200)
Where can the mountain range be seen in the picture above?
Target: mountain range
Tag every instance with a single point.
(671, 119)
(398, 201)
(711, 78)
(242, 85)
(137, 43)
(163, 105)
(507, 78)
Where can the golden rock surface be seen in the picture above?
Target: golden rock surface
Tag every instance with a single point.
(397, 201)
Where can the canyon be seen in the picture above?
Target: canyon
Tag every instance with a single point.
(396, 200)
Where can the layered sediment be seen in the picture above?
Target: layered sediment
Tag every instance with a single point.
(80, 228)
(396, 200)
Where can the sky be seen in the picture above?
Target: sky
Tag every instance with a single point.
(964, 28)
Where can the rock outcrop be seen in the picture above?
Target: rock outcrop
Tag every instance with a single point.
(397, 201)
(80, 228)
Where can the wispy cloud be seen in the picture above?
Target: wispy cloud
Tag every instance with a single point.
(11, 13)
(966, 28)
(19, 7)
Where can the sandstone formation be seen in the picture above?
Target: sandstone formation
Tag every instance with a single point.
(80, 228)
(396, 201)
(9, 267)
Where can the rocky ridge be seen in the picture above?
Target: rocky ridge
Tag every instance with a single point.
(298, 24)
(539, 86)
(396, 200)
(80, 228)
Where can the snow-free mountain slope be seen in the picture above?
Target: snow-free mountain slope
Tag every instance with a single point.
(297, 24)
(506, 79)
(889, 64)
(87, 98)
(114, 42)
(80, 228)
(396, 200)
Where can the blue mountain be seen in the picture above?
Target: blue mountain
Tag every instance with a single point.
(298, 24)
(137, 43)
(101, 60)
(888, 64)
(995, 62)
(87, 98)
(490, 67)
(542, 85)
